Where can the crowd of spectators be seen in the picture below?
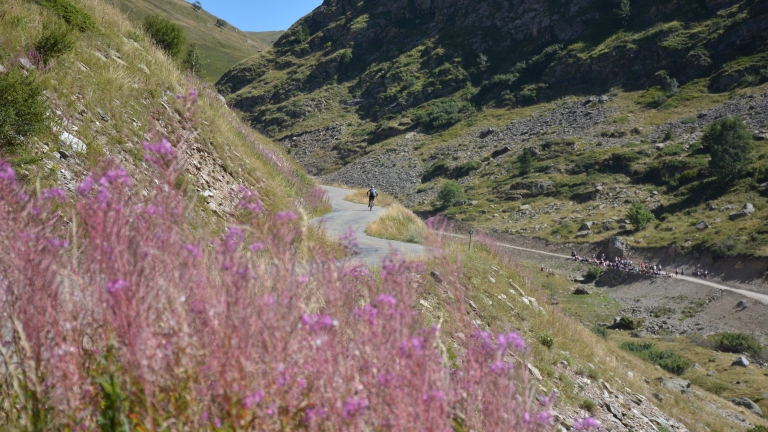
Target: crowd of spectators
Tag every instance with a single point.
(642, 268)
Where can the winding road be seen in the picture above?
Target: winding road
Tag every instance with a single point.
(346, 216)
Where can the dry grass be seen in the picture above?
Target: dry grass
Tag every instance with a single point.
(398, 223)
(359, 196)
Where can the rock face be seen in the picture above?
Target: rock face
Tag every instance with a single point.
(617, 247)
(748, 404)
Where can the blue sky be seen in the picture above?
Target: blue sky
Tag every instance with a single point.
(260, 15)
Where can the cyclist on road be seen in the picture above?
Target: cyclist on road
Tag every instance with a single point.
(372, 194)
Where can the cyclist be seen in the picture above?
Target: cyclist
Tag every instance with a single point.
(372, 194)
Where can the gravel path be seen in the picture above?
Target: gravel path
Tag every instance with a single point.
(346, 216)
(750, 294)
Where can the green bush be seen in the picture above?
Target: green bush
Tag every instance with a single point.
(546, 340)
(594, 272)
(600, 331)
(70, 13)
(737, 343)
(758, 429)
(165, 34)
(639, 216)
(443, 113)
(449, 192)
(22, 107)
(730, 147)
(667, 360)
(57, 41)
(220, 23)
(303, 33)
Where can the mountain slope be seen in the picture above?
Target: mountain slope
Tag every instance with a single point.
(221, 46)
(407, 94)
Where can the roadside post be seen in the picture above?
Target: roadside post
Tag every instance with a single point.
(470, 238)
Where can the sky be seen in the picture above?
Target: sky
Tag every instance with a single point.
(260, 15)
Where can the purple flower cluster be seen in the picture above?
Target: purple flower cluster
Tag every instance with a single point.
(586, 424)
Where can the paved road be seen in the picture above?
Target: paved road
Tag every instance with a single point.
(346, 215)
(750, 294)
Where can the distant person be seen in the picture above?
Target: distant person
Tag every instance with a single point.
(372, 194)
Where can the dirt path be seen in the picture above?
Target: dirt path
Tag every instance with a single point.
(346, 216)
(750, 294)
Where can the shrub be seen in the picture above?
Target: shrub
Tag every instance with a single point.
(70, 13)
(588, 405)
(220, 23)
(730, 146)
(737, 343)
(758, 429)
(669, 85)
(594, 272)
(58, 40)
(627, 323)
(546, 340)
(667, 360)
(443, 113)
(165, 34)
(525, 162)
(639, 216)
(450, 191)
(600, 331)
(22, 107)
(623, 12)
(303, 33)
(193, 62)
(197, 6)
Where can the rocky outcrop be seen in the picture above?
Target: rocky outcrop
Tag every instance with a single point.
(748, 404)
(617, 247)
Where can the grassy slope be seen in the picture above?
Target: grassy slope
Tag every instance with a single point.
(267, 38)
(221, 48)
(89, 79)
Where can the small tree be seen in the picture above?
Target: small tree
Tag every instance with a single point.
(639, 216)
(197, 6)
(624, 11)
(730, 147)
(450, 192)
(669, 85)
(166, 35)
(192, 61)
(220, 23)
(525, 161)
(303, 33)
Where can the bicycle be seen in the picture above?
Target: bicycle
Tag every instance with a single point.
(370, 205)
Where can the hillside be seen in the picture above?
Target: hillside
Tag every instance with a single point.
(267, 38)
(609, 97)
(221, 46)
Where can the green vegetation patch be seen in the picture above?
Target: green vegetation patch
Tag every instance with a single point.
(22, 107)
(443, 113)
(667, 360)
(166, 35)
(70, 13)
(737, 343)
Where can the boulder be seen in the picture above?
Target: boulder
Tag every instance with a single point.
(659, 146)
(581, 291)
(581, 234)
(760, 136)
(459, 203)
(609, 225)
(586, 226)
(2, 69)
(484, 133)
(500, 152)
(524, 207)
(748, 404)
(617, 247)
(678, 385)
(534, 151)
(72, 143)
(745, 211)
(701, 226)
(741, 361)
(436, 276)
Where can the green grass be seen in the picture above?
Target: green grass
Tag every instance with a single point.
(667, 360)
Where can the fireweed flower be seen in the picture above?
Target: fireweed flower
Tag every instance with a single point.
(116, 286)
(53, 193)
(253, 399)
(386, 299)
(192, 250)
(283, 216)
(6, 172)
(85, 186)
(58, 243)
(586, 424)
(353, 406)
(256, 247)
